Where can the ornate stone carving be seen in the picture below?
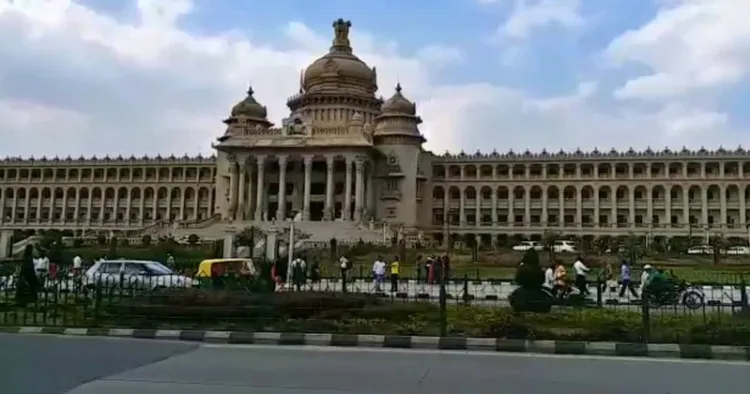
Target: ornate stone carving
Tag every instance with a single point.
(331, 67)
(232, 158)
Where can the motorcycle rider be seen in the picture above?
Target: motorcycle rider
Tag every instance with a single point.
(648, 270)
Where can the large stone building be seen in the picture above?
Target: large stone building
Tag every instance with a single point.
(346, 161)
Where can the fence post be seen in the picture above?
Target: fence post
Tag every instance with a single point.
(743, 293)
(600, 285)
(443, 311)
(467, 296)
(97, 303)
(645, 317)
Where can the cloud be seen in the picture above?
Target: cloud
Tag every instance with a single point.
(76, 81)
(528, 16)
(690, 47)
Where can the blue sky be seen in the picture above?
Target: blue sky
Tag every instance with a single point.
(502, 74)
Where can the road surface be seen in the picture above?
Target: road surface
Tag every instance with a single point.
(120, 366)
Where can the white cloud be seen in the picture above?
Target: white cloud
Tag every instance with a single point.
(75, 81)
(691, 46)
(530, 15)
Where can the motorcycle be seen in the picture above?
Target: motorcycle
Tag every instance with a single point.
(676, 292)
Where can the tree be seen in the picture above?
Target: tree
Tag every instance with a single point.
(718, 243)
(548, 240)
(193, 239)
(112, 247)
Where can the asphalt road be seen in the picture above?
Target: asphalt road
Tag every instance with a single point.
(52, 365)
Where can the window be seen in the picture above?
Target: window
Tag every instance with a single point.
(109, 268)
(134, 268)
(392, 184)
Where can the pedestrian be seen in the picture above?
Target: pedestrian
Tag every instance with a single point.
(299, 268)
(170, 261)
(314, 271)
(604, 277)
(395, 267)
(28, 282)
(549, 277)
(378, 272)
(344, 267)
(430, 266)
(581, 271)
(626, 279)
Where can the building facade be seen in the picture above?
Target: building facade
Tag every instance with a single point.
(345, 155)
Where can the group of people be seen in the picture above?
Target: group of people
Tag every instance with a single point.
(556, 278)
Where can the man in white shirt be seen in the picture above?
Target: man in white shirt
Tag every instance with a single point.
(299, 268)
(344, 266)
(581, 272)
(549, 277)
(77, 264)
(378, 271)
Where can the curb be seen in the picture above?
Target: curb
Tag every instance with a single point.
(614, 349)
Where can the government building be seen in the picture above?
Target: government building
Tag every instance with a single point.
(346, 163)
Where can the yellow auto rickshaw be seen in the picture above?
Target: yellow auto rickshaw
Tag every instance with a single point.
(221, 273)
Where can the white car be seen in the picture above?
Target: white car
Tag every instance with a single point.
(701, 249)
(135, 275)
(738, 250)
(526, 245)
(565, 247)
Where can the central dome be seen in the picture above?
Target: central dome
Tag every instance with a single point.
(340, 69)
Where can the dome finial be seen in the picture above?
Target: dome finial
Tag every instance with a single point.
(398, 87)
(250, 90)
(341, 36)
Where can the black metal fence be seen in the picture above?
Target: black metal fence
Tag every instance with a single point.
(458, 307)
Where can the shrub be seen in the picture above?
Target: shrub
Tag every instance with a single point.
(193, 239)
(146, 240)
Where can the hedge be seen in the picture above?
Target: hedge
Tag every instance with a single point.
(371, 314)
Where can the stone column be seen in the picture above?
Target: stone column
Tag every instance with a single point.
(329, 211)
(370, 193)
(242, 169)
(261, 163)
(359, 188)
(348, 191)
(232, 188)
(308, 175)
(249, 202)
(281, 211)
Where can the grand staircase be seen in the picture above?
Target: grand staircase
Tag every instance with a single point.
(319, 232)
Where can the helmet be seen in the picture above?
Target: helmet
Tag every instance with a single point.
(648, 267)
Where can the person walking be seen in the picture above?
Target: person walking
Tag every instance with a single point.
(625, 277)
(344, 267)
(581, 271)
(378, 272)
(395, 268)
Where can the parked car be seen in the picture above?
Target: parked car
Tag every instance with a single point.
(134, 274)
(565, 247)
(738, 250)
(701, 249)
(526, 245)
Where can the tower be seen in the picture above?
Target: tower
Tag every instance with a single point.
(398, 139)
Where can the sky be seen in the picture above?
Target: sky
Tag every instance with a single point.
(148, 77)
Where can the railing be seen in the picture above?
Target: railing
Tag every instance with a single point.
(348, 305)
(201, 223)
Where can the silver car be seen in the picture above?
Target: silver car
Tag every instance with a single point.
(134, 275)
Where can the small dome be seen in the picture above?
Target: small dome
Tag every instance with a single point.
(249, 107)
(398, 104)
(340, 65)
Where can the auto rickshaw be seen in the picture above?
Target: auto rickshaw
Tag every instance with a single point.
(225, 273)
